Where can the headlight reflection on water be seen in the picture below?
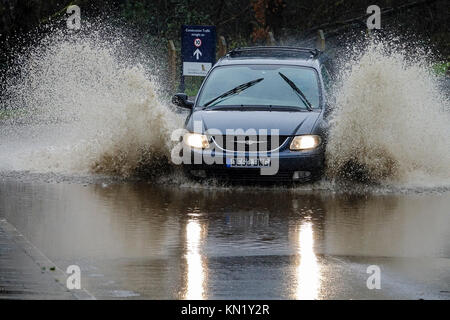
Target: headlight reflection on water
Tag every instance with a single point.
(196, 274)
(308, 270)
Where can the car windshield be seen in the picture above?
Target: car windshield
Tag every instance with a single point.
(273, 90)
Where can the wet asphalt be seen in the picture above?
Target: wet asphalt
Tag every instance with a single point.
(137, 240)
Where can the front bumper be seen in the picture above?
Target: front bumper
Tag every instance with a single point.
(309, 165)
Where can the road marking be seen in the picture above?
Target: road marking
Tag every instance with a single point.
(42, 260)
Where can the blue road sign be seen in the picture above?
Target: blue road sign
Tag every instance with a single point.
(198, 49)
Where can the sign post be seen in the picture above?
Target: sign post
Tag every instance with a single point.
(198, 51)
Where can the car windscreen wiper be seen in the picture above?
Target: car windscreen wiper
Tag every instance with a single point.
(298, 91)
(234, 91)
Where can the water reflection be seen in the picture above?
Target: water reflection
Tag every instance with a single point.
(308, 270)
(196, 270)
(169, 242)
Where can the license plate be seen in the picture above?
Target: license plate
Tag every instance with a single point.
(248, 162)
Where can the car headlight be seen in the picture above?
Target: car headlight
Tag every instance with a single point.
(306, 142)
(196, 140)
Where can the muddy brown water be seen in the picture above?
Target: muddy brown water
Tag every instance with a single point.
(140, 240)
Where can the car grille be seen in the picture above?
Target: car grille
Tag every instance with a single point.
(243, 143)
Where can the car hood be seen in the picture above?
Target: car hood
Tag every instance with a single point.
(288, 123)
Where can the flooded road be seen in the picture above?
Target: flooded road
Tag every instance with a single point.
(87, 105)
(139, 240)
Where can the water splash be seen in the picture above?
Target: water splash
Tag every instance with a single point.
(80, 108)
(391, 120)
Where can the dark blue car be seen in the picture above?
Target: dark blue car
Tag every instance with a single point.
(260, 114)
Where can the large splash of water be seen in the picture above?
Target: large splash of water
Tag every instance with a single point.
(391, 121)
(78, 108)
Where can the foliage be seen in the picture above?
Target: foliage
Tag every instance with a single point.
(241, 22)
(441, 68)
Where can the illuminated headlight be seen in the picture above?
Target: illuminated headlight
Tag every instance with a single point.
(306, 142)
(196, 140)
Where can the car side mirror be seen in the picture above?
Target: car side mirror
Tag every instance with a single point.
(181, 100)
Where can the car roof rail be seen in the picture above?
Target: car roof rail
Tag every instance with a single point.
(314, 53)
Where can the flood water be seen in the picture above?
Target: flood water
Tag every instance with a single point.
(139, 240)
(107, 114)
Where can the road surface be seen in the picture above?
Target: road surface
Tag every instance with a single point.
(137, 240)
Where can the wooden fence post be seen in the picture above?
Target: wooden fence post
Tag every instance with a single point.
(320, 40)
(172, 64)
(222, 46)
(270, 40)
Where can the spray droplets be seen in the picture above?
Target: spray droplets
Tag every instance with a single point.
(85, 110)
(389, 124)
(79, 108)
